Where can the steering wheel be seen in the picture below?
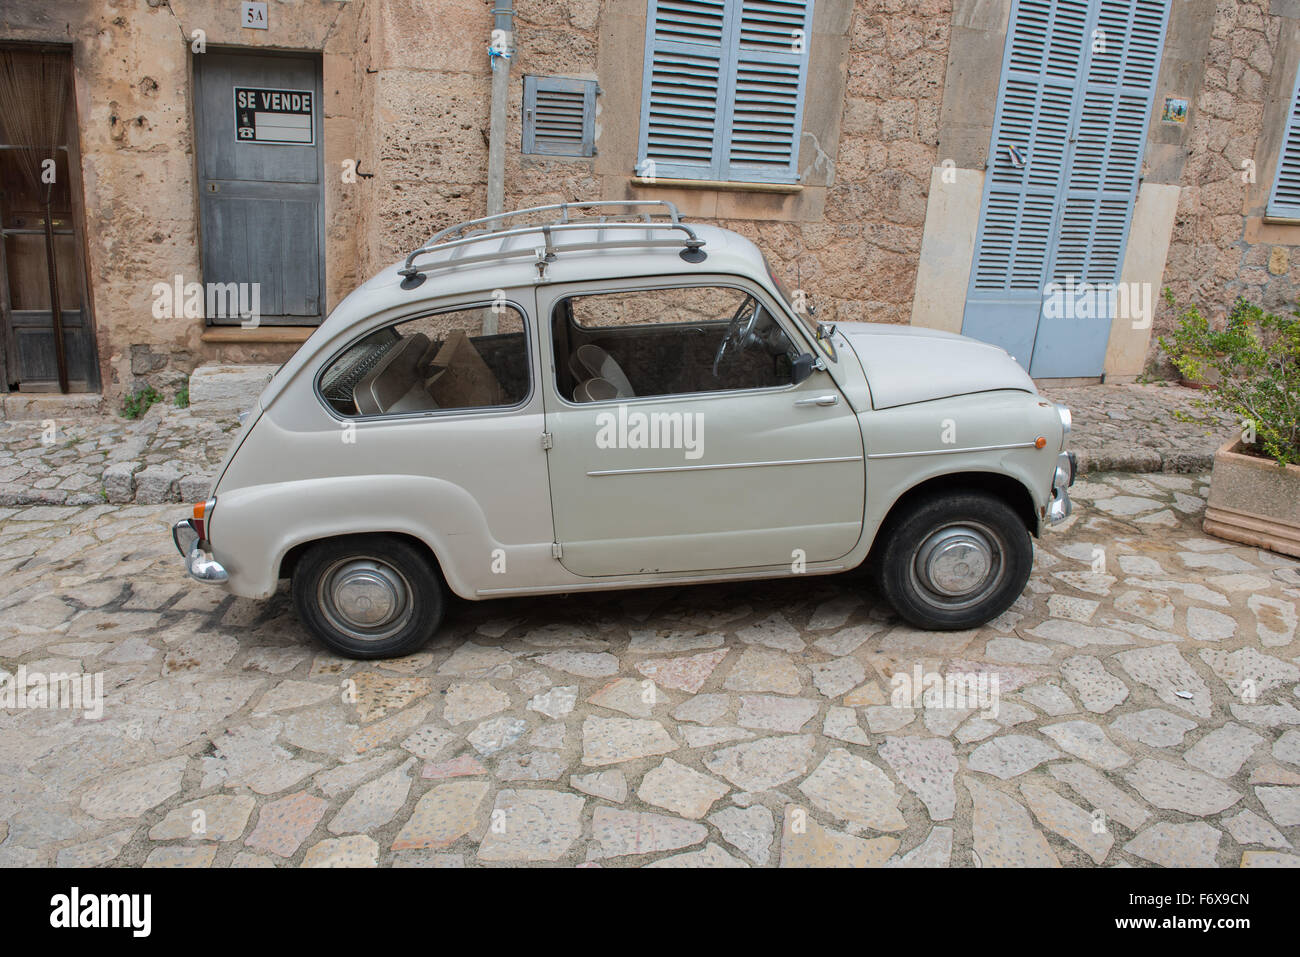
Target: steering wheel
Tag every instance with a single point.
(738, 331)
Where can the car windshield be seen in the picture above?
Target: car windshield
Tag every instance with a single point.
(798, 304)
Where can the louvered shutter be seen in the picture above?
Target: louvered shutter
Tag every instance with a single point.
(1106, 162)
(680, 133)
(723, 92)
(1030, 137)
(1285, 201)
(762, 141)
(559, 116)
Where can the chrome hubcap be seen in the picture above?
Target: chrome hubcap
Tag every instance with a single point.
(958, 565)
(365, 598)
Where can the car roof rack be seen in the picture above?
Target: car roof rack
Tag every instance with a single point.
(618, 215)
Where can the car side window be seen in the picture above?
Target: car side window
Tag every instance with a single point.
(474, 358)
(671, 341)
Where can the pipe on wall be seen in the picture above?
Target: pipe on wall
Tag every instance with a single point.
(500, 49)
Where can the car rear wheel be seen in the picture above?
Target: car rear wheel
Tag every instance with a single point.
(954, 560)
(368, 596)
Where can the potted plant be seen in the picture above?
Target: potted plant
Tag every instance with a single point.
(1196, 375)
(1254, 361)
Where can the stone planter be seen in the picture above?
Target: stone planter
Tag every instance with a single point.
(1254, 502)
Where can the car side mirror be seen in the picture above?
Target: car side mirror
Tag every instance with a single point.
(802, 366)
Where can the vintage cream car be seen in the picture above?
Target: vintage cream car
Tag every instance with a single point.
(598, 396)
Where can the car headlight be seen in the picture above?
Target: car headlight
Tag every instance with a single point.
(1066, 469)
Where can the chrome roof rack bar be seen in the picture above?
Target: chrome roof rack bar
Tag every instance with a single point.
(638, 214)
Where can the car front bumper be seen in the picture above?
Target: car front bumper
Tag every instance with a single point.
(1060, 507)
(201, 566)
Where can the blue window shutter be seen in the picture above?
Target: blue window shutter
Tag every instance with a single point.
(724, 86)
(530, 111)
(1284, 203)
(1031, 133)
(559, 116)
(1112, 122)
(684, 83)
(763, 132)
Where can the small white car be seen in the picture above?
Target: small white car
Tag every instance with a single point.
(597, 396)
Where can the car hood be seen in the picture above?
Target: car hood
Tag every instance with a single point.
(906, 364)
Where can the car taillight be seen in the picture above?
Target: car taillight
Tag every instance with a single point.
(202, 512)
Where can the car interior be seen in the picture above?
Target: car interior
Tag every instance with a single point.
(604, 354)
(430, 363)
(607, 347)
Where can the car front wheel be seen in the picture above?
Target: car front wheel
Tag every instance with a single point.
(368, 596)
(954, 560)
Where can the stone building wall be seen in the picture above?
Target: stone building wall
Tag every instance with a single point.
(856, 259)
(425, 122)
(1221, 247)
(431, 118)
(407, 95)
(429, 108)
(558, 38)
(133, 85)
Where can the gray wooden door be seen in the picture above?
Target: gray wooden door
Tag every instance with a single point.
(261, 209)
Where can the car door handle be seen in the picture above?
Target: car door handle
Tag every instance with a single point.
(819, 400)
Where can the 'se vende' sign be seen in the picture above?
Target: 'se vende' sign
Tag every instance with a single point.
(273, 116)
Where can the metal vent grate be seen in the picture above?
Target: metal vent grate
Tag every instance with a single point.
(559, 116)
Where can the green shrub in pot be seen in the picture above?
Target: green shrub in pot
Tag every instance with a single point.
(1254, 360)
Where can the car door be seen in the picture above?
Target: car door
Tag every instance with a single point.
(440, 414)
(759, 474)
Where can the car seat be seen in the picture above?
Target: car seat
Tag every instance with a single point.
(593, 362)
(596, 390)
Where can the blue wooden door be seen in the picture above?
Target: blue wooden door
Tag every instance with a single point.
(1073, 107)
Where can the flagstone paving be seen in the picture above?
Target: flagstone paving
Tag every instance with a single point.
(1141, 710)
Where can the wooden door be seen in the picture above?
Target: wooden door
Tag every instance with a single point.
(258, 120)
(30, 353)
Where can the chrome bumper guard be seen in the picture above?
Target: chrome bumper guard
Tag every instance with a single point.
(1060, 508)
(201, 566)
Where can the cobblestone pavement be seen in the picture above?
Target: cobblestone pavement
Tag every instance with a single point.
(171, 455)
(1137, 706)
(167, 455)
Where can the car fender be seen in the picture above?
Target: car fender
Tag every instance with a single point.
(995, 433)
(255, 527)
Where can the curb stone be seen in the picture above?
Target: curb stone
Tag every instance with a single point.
(1121, 459)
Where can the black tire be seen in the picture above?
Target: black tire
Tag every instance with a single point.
(929, 568)
(369, 596)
